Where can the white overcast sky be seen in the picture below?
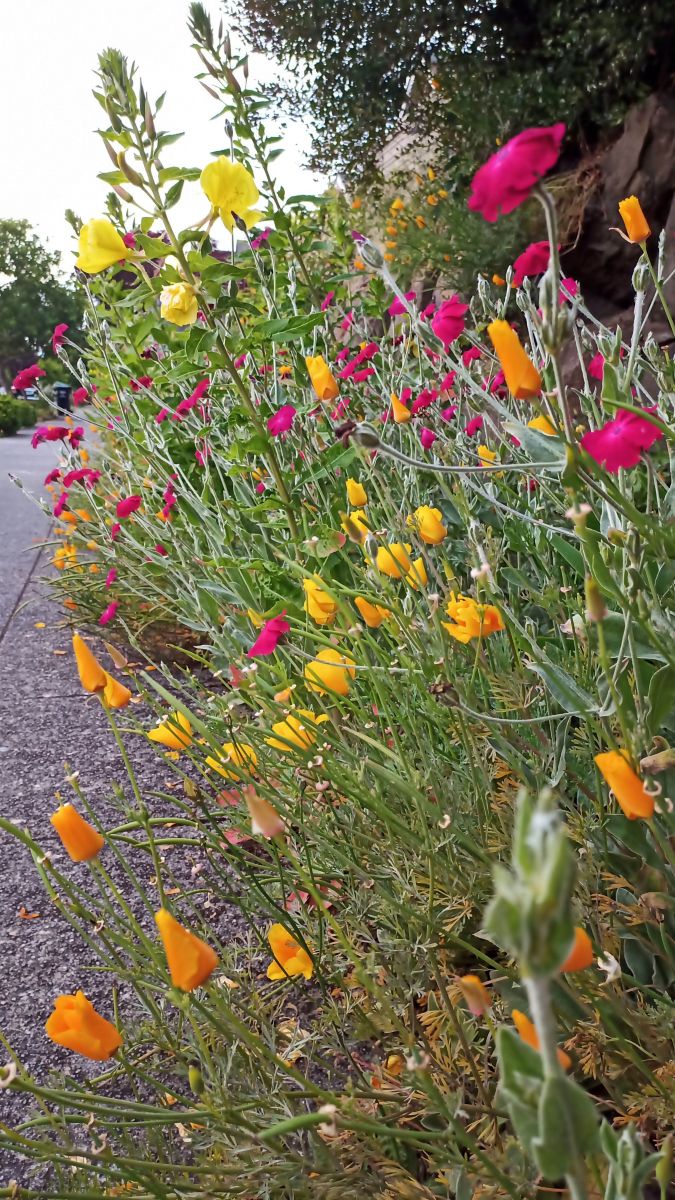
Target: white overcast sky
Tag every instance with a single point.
(49, 152)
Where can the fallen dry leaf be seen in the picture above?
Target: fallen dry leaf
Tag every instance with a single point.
(26, 915)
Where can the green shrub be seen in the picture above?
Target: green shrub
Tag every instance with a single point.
(10, 416)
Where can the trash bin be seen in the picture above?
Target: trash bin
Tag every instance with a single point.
(62, 396)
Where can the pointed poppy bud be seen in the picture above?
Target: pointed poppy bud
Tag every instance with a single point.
(76, 1025)
(581, 954)
(522, 377)
(637, 227)
(81, 841)
(190, 960)
(399, 412)
(92, 676)
(323, 381)
(476, 995)
(116, 695)
(626, 784)
(265, 819)
(530, 1036)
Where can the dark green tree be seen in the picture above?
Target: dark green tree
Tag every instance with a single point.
(33, 298)
(358, 66)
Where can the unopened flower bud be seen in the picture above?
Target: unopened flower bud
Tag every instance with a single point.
(640, 277)
(596, 609)
(475, 994)
(371, 255)
(127, 170)
(196, 1080)
(664, 1167)
(265, 819)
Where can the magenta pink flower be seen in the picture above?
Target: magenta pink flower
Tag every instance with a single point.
(363, 374)
(448, 322)
(620, 442)
(508, 177)
(596, 366)
(427, 437)
(108, 613)
(184, 406)
(397, 307)
(58, 336)
(533, 261)
(260, 239)
(80, 396)
(27, 378)
(282, 420)
(48, 433)
(343, 354)
(568, 290)
(428, 311)
(471, 355)
(110, 577)
(269, 637)
(447, 381)
(405, 395)
(239, 362)
(260, 488)
(129, 240)
(81, 475)
(52, 476)
(327, 301)
(161, 550)
(348, 370)
(60, 504)
(346, 322)
(448, 413)
(143, 381)
(114, 531)
(367, 352)
(161, 415)
(424, 400)
(76, 436)
(473, 426)
(127, 506)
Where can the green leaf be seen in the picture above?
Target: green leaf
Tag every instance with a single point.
(572, 556)
(614, 625)
(569, 695)
(288, 330)
(568, 1127)
(661, 698)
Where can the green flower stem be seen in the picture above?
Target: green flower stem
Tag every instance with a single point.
(142, 810)
(659, 289)
(539, 996)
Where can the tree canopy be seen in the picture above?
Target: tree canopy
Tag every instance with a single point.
(498, 65)
(33, 298)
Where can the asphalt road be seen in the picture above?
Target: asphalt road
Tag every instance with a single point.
(46, 720)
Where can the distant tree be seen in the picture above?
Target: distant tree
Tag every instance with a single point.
(497, 65)
(33, 298)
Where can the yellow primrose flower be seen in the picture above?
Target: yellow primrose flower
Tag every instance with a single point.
(178, 304)
(417, 575)
(373, 614)
(431, 174)
(330, 671)
(543, 425)
(355, 525)
(174, 732)
(486, 455)
(356, 493)
(429, 525)
(289, 956)
(293, 732)
(100, 245)
(318, 604)
(237, 753)
(471, 620)
(393, 560)
(231, 189)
